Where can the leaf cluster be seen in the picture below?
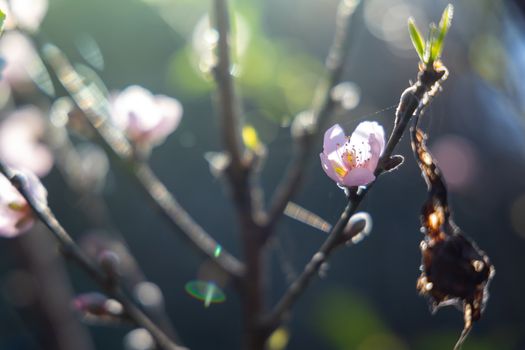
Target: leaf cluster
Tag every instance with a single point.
(429, 51)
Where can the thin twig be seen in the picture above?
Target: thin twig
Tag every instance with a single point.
(412, 100)
(301, 283)
(119, 148)
(175, 213)
(335, 63)
(72, 251)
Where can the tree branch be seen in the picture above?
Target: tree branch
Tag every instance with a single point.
(116, 144)
(239, 174)
(93, 205)
(296, 289)
(72, 251)
(173, 211)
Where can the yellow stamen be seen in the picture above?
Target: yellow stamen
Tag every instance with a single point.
(17, 206)
(340, 171)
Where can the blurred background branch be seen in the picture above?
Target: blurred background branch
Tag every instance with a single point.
(72, 251)
(154, 189)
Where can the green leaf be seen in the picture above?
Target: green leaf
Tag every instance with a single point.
(431, 44)
(417, 39)
(444, 25)
(2, 19)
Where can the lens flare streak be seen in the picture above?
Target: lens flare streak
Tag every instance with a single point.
(206, 291)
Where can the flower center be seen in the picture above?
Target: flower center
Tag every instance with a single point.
(355, 157)
(349, 158)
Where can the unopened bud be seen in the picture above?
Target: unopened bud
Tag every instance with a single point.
(218, 162)
(303, 124)
(109, 262)
(357, 228)
(323, 269)
(393, 162)
(96, 307)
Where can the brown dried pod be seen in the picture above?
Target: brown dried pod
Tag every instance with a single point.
(454, 270)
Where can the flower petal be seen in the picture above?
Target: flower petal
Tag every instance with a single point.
(20, 145)
(333, 139)
(369, 141)
(19, 53)
(29, 13)
(171, 111)
(359, 145)
(365, 129)
(8, 194)
(145, 118)
(377, 146)
(379, 139)
(358, 177)
(328, 168)
(13, 221)
(134, 110)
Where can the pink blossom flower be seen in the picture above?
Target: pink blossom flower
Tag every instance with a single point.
(20, 56)
(16, 216)
(25, 14)
(351, 161)
(20, 146)
(146, 119)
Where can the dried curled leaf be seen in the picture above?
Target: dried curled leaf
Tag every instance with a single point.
(454, 270)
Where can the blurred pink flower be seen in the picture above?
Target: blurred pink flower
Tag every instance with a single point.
(25, 14)
(146, 119)
(351, 161)
(20, 145)
(95, 306)
(16, 216)
(20, 55)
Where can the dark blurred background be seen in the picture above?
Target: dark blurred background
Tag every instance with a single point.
(367, 300)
